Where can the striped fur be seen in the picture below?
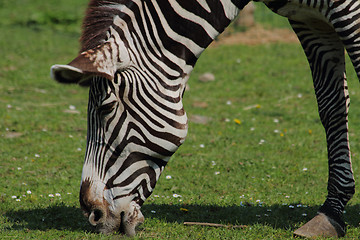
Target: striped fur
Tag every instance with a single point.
(136, 56)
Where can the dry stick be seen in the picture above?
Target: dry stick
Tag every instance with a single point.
(213, 225)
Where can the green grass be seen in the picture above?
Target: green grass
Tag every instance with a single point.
(42, 144)
(267, 18)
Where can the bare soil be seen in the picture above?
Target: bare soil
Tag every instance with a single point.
(257, 35)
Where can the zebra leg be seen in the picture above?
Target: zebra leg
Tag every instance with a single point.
(345, 17)
(325, 54)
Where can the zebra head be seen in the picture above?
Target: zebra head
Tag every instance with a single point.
(136, 56)
(133, 130)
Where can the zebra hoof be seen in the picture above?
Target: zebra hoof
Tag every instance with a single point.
(320, 225)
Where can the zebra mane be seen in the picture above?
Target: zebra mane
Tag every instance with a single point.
(99, 17)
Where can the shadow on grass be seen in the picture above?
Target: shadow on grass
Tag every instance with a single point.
(63, 217)
(60, 217)
(277, 216)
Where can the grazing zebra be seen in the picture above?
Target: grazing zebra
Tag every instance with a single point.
(137, 55)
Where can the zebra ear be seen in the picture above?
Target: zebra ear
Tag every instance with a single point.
(102, 61)
(68, 74)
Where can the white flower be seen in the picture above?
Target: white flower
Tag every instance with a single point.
(153, 211)
(58, 194)
(72, 107)
(28, 192)
(14, 197)
(304, 214)
(202, 145)
(228, 102)
(176, 195)
(18, 200)
(37, 155)
(213, 163)
(51, 195)
(217, 173)
(305, 169)
(262, 141)
(276, 120)
(168, 177)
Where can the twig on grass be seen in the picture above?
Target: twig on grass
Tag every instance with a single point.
(213, 225)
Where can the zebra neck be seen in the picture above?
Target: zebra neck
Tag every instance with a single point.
(160, 36)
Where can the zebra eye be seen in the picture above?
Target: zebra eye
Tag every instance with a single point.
(106, 108)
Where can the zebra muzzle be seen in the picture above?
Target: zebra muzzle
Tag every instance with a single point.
(131, 219)
(124, 223)
(96, 217)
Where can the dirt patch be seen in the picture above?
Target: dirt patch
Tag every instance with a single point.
(257, 35)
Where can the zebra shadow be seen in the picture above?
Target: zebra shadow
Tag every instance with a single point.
(59, 217)
(290, 216)
(62, 217)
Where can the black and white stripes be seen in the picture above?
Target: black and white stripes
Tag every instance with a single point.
(137, 55)
(137, 121)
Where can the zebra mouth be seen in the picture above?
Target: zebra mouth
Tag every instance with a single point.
(130, 219)
(122, 227)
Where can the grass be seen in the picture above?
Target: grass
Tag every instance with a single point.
(222, 173)
(267, 18)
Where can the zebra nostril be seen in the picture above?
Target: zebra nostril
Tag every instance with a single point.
(95, 217)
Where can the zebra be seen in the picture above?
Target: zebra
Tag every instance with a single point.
(136, 57)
